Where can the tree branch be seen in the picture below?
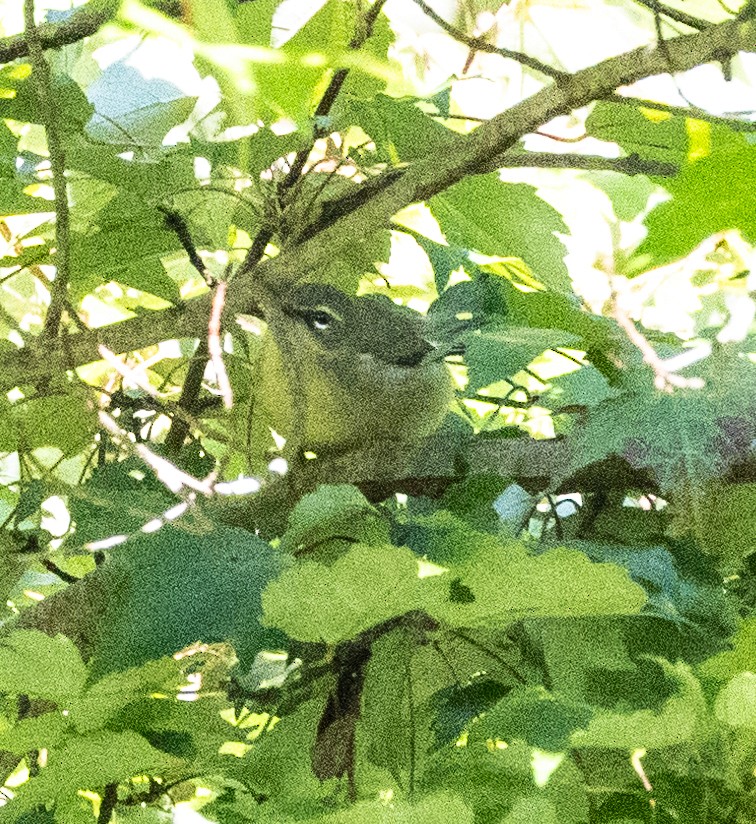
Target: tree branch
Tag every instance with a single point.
(42, 80)
(633, 164)
(468, 154)
(84, 22)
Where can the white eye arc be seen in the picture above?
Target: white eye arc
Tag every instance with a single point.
(320, 321)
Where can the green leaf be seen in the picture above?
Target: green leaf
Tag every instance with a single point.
(89, 762)
(108, 696)
(507, 584)
(387, 704)
(34, 664)
(504, 220)
(584, 654)
(497, 352)
(736, 703)
(439, 808)
(629, 195)
(534, 715)
(649, 133)
(67, 422)
(401, 131)
(333, 512)
(528, 810)
(115, 253)
(679, 721)
(183, 587)
(118, 499)
(728, 664)
(143, 126)
(685, 438)
(367, 585)
(40, 732)
(279, 765)
(708, 196)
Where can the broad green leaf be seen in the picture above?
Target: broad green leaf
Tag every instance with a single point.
(87, 763)
(684, 438)
(34, 664)
(144, 126)
(118, 499)
(742, 657)
(528, 810)
(507, 584)
(289, 89)
(279, 765)
(367, 585)
(583, 656)
(736, 703)
(710, 195)
(386, 722)
(455, 707)
(401, 131)
(440, 808)
(105, 698)
(73, 107)
(498, 352)
(649, 133)
(333, 512)
(39, 732)
(534, 715)
(67, 422)
(679, 720)
(629, 195)
(729, 529)
(113, 254)
(490, 780)
(504, 220)
(183, 587)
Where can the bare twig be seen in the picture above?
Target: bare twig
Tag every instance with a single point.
(664, 378)
(481, 44)
(692, 112)
(214, 343)
(264, 236)
(49, 113)
(168, 473)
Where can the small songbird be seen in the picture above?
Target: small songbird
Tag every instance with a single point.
(355, 370)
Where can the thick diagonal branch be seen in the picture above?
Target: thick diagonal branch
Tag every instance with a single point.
(467, 155)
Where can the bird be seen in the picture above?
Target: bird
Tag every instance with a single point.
(346, 372)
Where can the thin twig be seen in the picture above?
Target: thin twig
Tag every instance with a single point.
(323, 109)
(48, 106)
(480, 44)
(664, 378)
(51, 566)
(82, 23)
(428, 176)
(214, 344)
(168, 473)
(633, 164)
(692, 112)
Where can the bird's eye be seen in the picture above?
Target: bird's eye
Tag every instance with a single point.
(319, 320)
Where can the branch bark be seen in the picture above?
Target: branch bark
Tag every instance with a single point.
(468, 155)
(84, 22)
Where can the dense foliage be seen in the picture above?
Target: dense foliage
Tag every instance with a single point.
(544, 612)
